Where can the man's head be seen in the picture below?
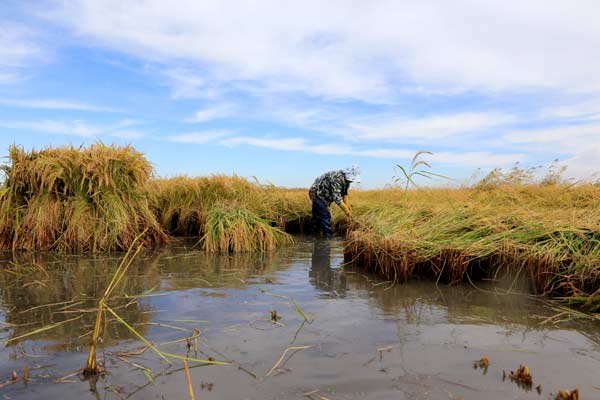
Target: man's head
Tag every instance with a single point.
(352, 173)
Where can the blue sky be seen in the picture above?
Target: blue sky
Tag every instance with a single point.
(287, 90)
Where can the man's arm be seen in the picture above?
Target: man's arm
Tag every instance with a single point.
(337, 186)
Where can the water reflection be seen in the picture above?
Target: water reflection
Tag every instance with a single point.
(325, 267)
(503, 302)
(425, 328)
(40, 290)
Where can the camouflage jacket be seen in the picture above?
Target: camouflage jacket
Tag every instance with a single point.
(330, 187)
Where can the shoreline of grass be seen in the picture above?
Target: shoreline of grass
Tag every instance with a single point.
(549, 234)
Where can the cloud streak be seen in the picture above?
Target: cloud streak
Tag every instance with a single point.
(198, 137)
(434, 127)
(54, 104)
(468, 159)
(78, 128)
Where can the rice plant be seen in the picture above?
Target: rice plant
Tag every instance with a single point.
(549, 233)
(232, 228)
(76, 199)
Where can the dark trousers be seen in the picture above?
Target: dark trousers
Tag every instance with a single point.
(321, 218)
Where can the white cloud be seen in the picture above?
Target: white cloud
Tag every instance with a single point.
(577, 146)
(428, 128)
(76, 128)
(356, 49)
(211, 113)
(198, 137)
(585, 164)
(53, 104)
(17, 50)
(566, 139)
(186, 83)
(588, 110)
(129, 134)
(469, 159)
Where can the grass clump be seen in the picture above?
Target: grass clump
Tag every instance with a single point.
(183, 204)
(233, 228)
(76, 199)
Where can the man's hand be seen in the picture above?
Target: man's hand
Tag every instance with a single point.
(346, 202)
(346, 209)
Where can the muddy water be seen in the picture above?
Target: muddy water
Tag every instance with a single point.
(364, 338)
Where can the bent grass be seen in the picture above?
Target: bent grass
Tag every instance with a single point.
(548, 233)
(231, 228)
(92, 368)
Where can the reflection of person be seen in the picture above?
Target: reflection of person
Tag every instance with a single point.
(320, 271)
(331, 187)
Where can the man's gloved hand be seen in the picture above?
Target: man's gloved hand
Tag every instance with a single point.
(346, 202)
(346, 209)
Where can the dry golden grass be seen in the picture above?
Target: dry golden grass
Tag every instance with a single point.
(183, 204)
(549, 233)
(100, 198)
(231, 228)
(76, 199)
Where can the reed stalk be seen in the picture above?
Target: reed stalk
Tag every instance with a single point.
(92, 367)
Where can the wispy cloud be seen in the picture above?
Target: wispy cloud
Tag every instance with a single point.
(198, 137)
(428, 128)
(289, 144)
(587, 110)
(469, 159)
(18, 48)
(54, 104)
(568, 139)
(79, 128)
(128, 134)
(74, 128)
(585, 164)
(211, 113)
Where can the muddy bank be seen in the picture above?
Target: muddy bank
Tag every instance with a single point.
(364, 337)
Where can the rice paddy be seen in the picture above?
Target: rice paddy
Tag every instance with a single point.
(100, 198)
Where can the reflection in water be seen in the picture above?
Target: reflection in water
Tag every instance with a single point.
(431, 335)
(39, 290)
(323, 274)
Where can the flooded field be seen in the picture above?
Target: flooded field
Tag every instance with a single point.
(292, 324)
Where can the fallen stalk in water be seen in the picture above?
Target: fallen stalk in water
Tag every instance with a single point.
(91, 367)
(189, 380)
(294, 348)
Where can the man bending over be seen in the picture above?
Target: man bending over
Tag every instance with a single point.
(331, 187)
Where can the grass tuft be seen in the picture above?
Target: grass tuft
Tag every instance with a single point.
(232, 228)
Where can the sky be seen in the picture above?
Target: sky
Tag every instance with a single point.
(286, 90)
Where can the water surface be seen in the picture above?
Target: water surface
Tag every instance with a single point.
(364, 339)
